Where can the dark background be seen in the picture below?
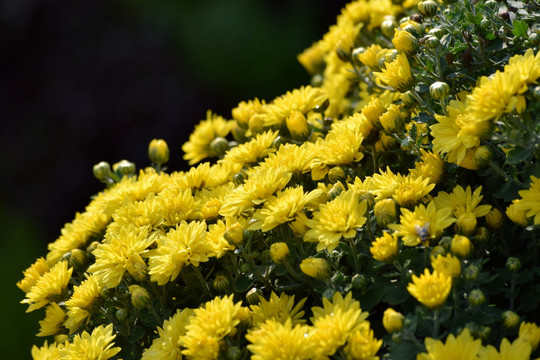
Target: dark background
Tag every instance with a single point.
(86, 81)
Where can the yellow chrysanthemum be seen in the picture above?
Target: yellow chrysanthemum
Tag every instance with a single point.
(430, 166)
(411, 190)
(362, 344)
(530, 200)
(252, 151)
(121, 252)
(146, 213)
(280, 309)
(431, 289)
(334, 322)
(462, 201)
(81, 300)
(520, 349)
(282, 208)
(448, 265)
(211, 200)
(46, 352)
(384, 248)
(48, 287)
(423, 224)
(54, 318)
(464, 346)
(97, 345)
(211, 323)
(275, 340)
(336, 219)
(369, 56)
(531, 333)
(166, 346)
(178, 205)
(179, 247)
(246, 110)
(385, 183)
(296, 158)
(198, 146)
(32, 274)
(397, 74)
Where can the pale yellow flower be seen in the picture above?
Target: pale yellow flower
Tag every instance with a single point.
(431, 289)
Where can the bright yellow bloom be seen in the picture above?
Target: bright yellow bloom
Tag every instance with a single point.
(165, 346)
(46, 352)
(280, 309)
(252, 151)
(78, 306)
(275, 340)
(198, 146)
(531, 333)
(405, 42)
(177, 205)
(146, 213)
(448, 265)
(384, 248)
(431, 289)
(54, 318)
(397, 74)
(296, 158)
(216, 240)
(385, 183)
(369, 56)
(464, 346)
(97, 345)
(516, 213)
(282, 208)
(520, 349)
(178, 248)
(48, 287)
(461, 246)
(32, 274)
(462, 201)
(317, 268)
(301, 100)
(392, 320)
(411, 190)
(423, 224)
(373, 111)
(122, 251)
(279, 251)
(362, 345)
(531, 200)
(336, 219)
(246, 110)
(430, 166)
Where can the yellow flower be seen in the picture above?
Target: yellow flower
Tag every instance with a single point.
(431, 289)
(362, 345)
(139, 213)
(334, 322)
(516, 213)
(280, 309)
(140, 298)
(461, 245)
(282, 208)
(405, 42)
(411, 190)
(177, 205)
(49, 286)
(384, 184)
(531, 333)
(275, 340)
(218, 236)
(316, 268)
(211, 323)
(373, 111)
(78, 305)
(54, 318)
(423, 224)
(296, 158)
(397, 74)
(297, 125)
(252, 151)
(385, 212)
(430, 166)
(97, 345)
(198, 146)
(46, 352)
(32, 274)
(369, 56)
(158, 151)
(392, 120)
(246, 110)
(464, 346)
(520, 349)
(392, 320)
(448, 265)
(122, 252)
(384, 248)
(165, 346)
(531, 201)
(462, 201)
(494, 218)
(279, 251)
(336, 219)
(178, 248)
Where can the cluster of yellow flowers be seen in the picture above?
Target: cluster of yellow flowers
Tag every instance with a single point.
(366, 183)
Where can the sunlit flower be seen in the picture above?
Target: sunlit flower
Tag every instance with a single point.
(50, 285)
(462, 201)
(448, 265)
(296, 158)
(252, 151)
(78, 306)
(362, 344)
(431, 289)
(97, 345)
(393, 320)
(46, 352)
(531, 200)
(369, 56)
(32, 274)
(430, 166)
(317, 268)
(411, 190)
(520, 349)
(397, 74)
(464, 346)
(384, 248)
(246, 110)
(531, 333)
(54, 318)
(280, 309)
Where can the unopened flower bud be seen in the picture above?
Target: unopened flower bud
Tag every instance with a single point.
(466, 223)
(461, 246)
(516, 213)
(482, 156)
(438, 250)
(121, 315)
(428, 8)
(124, 168)
(431, 42)
(392, 320)
(484, 332)
(278, 252)
(388, 26)
(476, 297)
(494, 219)
(297, 125)
(78, 259)
(158, 151)
(60, 338)
(317, 268)
(510, 319)
(102, 171)
(337, 173)
(482, 235)
(252, 296)
(397, 337)
(437, 32)
(534, 39)
(278, 141)
(414, 28)
(140, 297)
(219, 146)
(234, 234)
(385, 212)
(335, 191)
(405, 42)
(93, 246)
(221, 283)
(439, 90)
(359, 282)
(471, 272)
(408, 98)
(244, 268)
(513, 264)
(392, 120)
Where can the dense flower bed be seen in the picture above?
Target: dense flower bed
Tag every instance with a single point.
(390, 209)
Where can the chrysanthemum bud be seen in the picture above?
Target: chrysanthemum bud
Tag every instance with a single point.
(238, 178)
(221, 283)
(388, 25)
(397, 337)
(439, 90)
(482, 155)
(334, 192)
(244, 268)
(234, 234)
(405, 42)
(78, 259)
(431, 42)
(158, 151)
(428, 8)
(244, 314)
(60, 338)
(102, 171)
(392, 120)
(494, 219)
(124, 168)
(466, 223)
(278, 252)
(516, 214)
(414, 29)
(484, 332)
(316, 268)
(476, 297)
(385, 212)
(93, 246)
(385, 247)
(471, 272)
(121, 315)
(437, 32)
(408, 98)
(438, 250)
(140, 297)
(297, 125)
(513, 264)
(386, 56)
(510, 319)
(482, 235)
(233, 353)
(219, 146)
(392, 320)
(337, 173)
(359, 282)
(252, 296)
(461, 246)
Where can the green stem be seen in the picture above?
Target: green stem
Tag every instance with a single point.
(436, 323)
(501, 173)
(199, 275)
(354, 254)
(512, 288)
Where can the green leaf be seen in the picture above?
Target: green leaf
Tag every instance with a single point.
(242, 284)
(137, 333)
(520, 28)
(403, 351)
(518, 154)
(475, 19)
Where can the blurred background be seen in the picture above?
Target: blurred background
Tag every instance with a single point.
(86, 81)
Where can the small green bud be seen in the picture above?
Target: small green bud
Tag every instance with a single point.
(471, 272)
(78, 259)
(431, 42)
(416, 31)
(221, 283)
(439, 90)
(252, 296)
(491, 4)
(513, 264)
(337, 174)
(510, 319)
(359, 282)
(536, 93)
(219, 146)
(317, 80)
(93, 246)
(396, 337)
(278, 141)
(476, 297)
(238, 178)
(245, 268)
(121, 315)
(482, 156)
(140, 297)
(158, 151)
(534, 39)
(408, 98)
(388, 25)
(102, 171)
(484, 332)
(233, 353)
(438, 250)
(334, 192)
(482, 235)
(445, 242)
(124, 168)
(437, 32)
(428, 8)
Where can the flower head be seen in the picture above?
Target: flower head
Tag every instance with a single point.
(431, 289)
(397, 74)
(97, 345)
(464, 346)
(448, 265)
(54, 318)
(384, 248)
(48, 286)
(280, 309)
(392, 320)
(531, 333)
